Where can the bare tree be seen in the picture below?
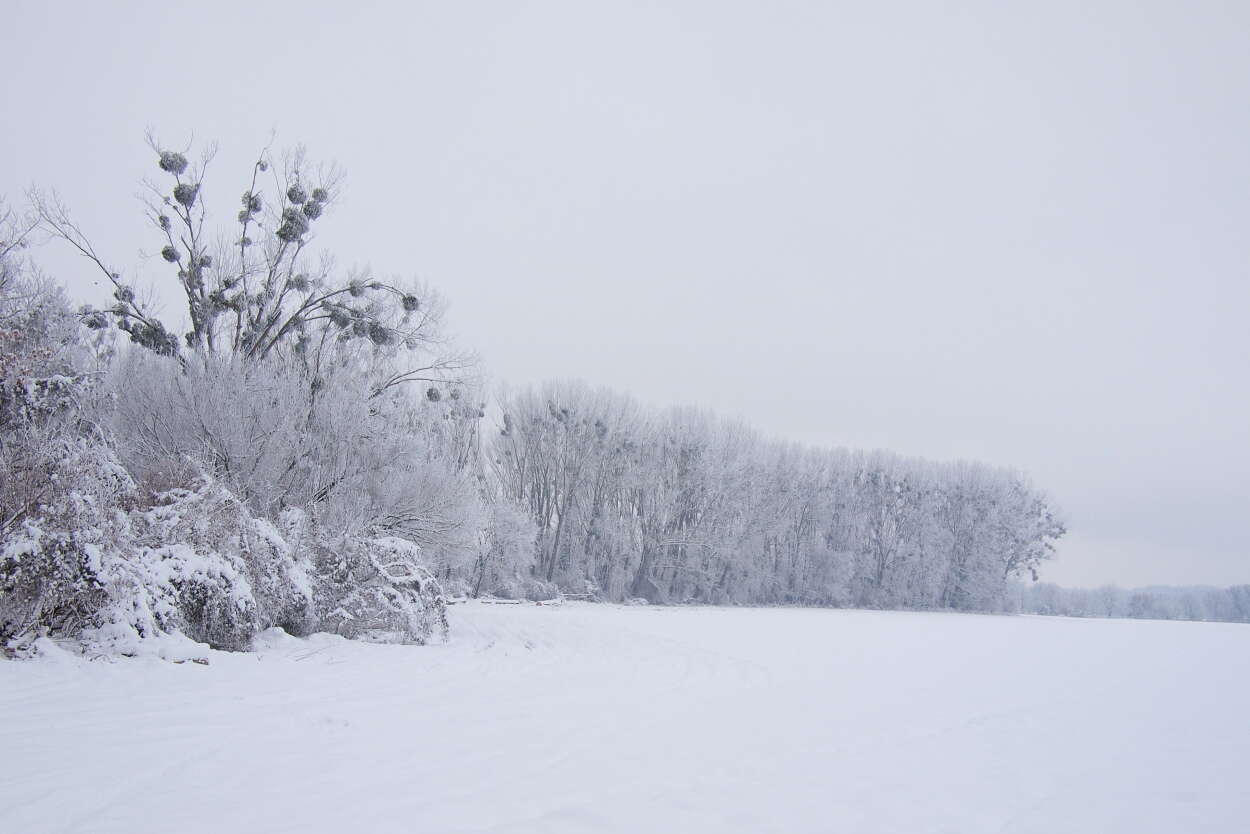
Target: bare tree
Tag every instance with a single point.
(262, 289)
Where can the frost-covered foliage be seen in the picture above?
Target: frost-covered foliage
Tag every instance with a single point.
(363, 464)
(377, 588)
(87, 551)
(103, 564)
(57, 554)
(45, 452)
(678, 505)
(305, 454)
(216, 572)
(61, 487)
(214, 492)
(505, 555)
(220, 574)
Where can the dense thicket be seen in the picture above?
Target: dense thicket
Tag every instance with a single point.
(299, 457)
(678, 505)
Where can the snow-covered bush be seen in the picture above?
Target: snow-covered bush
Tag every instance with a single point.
(55, 559)
(96, 561)
(61, 488)
(377, 589)
(311, 503)
(101, 564)
(363, 464)
(217, 573)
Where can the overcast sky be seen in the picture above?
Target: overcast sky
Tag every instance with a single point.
(952, 230)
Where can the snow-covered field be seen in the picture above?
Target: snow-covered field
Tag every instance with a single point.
(584, 718)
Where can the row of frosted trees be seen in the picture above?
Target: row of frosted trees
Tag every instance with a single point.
(677, 505)
(1230, 604)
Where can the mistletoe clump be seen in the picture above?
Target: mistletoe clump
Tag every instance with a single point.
(294, 226)
(174, 163)
(185, 193)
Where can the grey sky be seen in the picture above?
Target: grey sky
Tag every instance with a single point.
(983, 230)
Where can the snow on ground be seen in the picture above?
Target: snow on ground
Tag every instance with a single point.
(585, 718)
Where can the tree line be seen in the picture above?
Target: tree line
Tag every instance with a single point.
(1159, 602)
(677, 505)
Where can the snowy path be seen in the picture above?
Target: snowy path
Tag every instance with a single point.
(589, 718)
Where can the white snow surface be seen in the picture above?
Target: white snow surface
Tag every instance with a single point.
(596, 718)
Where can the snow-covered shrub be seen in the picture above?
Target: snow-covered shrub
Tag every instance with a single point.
(209, 568)
(61, 487)
(98, 563)
(84, 552)
(316, 495)
(223, 573)
(55, 559)
(377, 589)
(367, 462)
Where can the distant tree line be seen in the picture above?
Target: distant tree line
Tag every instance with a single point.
(1230, 605)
